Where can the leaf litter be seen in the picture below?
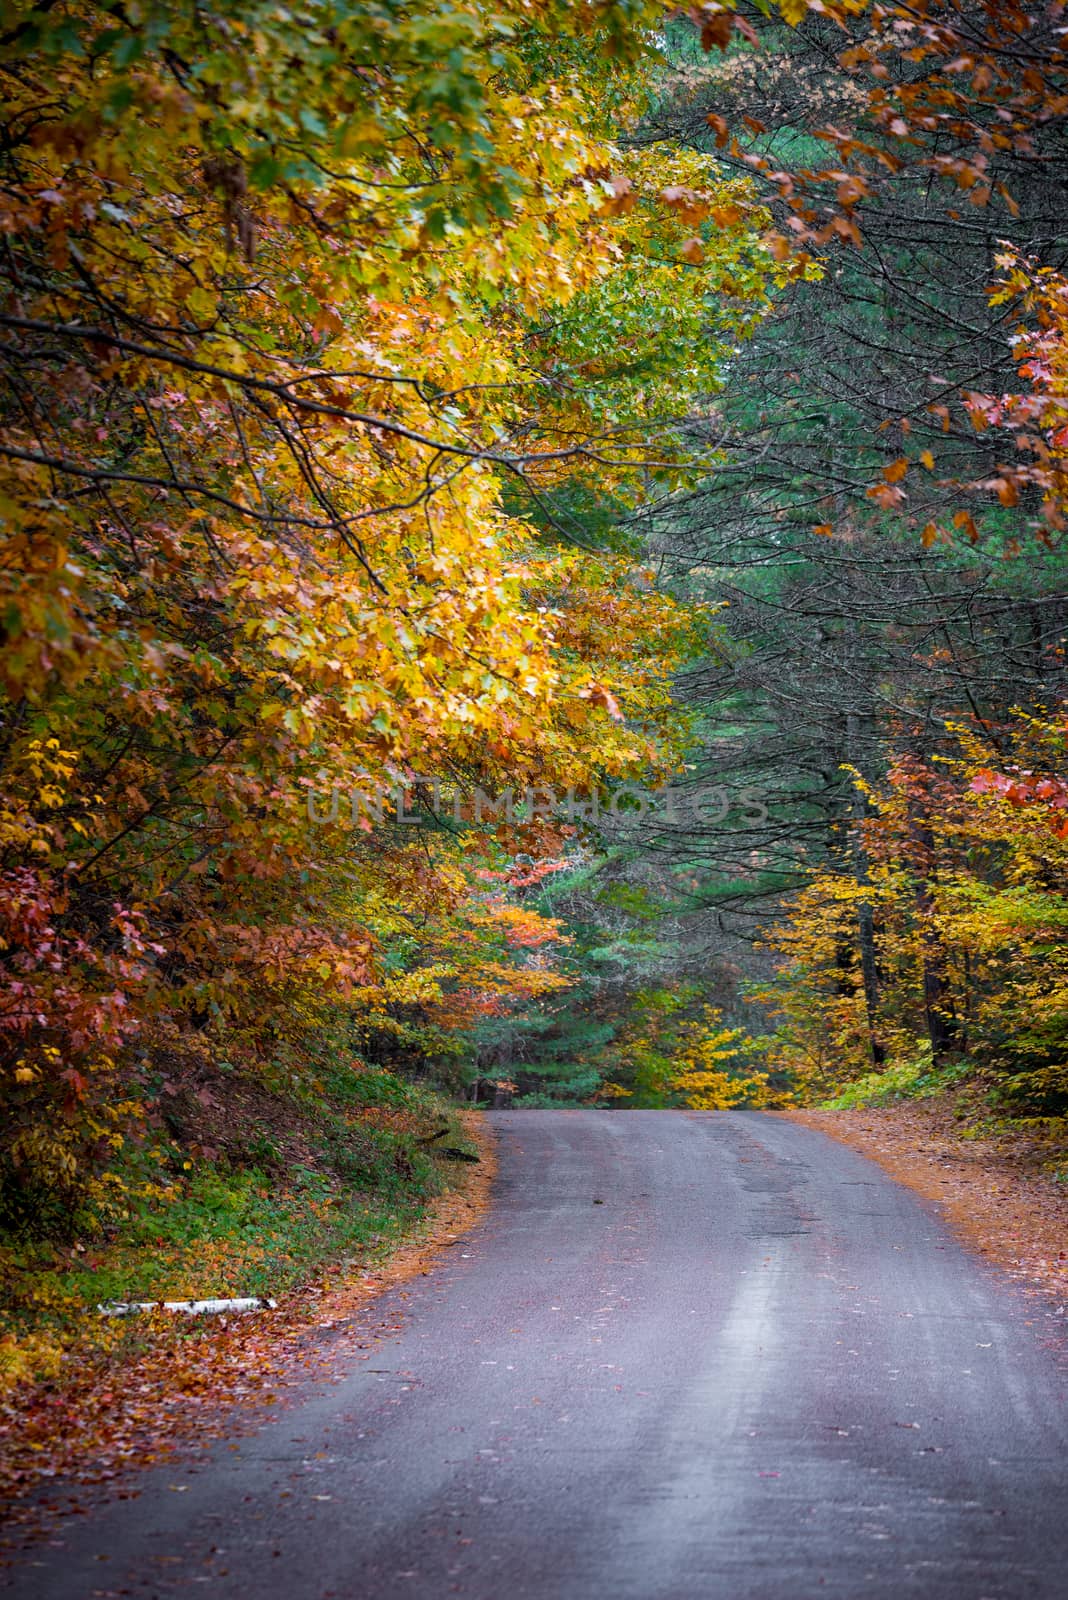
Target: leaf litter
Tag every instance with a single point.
(173, 1388)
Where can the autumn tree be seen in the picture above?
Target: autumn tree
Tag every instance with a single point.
(309, 322)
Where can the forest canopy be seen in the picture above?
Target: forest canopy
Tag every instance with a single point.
(439, 401)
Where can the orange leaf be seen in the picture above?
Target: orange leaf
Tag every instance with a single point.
(692, 208)
(727, 216)
(621, 198)
(716, 31)
(719, 127)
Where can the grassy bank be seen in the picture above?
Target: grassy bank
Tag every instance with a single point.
(968, 1102)
(236, 1187)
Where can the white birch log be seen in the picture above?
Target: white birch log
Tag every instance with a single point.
(192, 1308)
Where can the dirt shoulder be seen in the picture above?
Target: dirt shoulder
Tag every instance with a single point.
(992, 1190)
(186, 1384)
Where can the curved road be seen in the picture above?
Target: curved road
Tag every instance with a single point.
(687, 1356)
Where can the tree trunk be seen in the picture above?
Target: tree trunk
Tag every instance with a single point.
(865, 911)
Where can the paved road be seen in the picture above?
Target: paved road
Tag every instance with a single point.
(688, 1357)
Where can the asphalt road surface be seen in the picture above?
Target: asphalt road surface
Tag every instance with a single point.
(687, 1357)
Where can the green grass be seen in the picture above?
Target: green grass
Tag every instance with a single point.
(330, 1176)
(232, 1234)
(914, 1079)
